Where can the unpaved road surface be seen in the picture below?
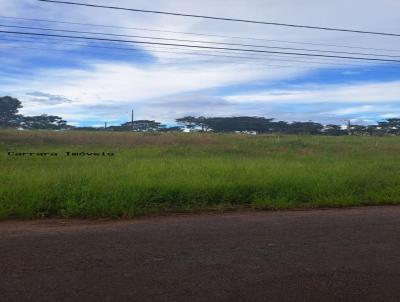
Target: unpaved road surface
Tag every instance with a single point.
(322, 255)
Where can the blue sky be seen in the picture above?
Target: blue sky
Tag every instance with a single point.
(88, 83)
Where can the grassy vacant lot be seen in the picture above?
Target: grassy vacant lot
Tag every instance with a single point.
(153, 173)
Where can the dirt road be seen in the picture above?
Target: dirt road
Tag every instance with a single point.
(322, 255)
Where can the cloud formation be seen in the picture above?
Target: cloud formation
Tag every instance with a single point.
(47, 98)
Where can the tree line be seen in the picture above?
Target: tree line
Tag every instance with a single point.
(260, 125)
(10, 118)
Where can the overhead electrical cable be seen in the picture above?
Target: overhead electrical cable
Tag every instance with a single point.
(141, 55)
(197, 41)
(266, 63)
(197, 34)
(224, 18)
(275, 57)
(201, 46)
(169, 50)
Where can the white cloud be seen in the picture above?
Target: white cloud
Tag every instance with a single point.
(128, 83)
(356, 93)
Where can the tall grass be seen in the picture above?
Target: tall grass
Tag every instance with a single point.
(191, 172)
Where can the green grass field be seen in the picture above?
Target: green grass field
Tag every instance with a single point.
(158, 173)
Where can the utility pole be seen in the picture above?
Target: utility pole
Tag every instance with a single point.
(349, 127)
(132, 119)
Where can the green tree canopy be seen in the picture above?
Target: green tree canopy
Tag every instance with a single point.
(334, 130)
(239, 124)
(9, 117)
(304, 128)
(141, 126)
(189, 122)
(390, 126)
(50, 122)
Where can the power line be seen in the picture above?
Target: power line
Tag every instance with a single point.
(176, 52)
(181, 53)
(197, 41)
(253, 56)
(199, 34)
(223, 18)
(201, 47)
(161, 51)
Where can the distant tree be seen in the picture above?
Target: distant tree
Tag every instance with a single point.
(192, 123)
(202, 122)
(239, 124)
(279, 127)
(305, 128)
(359, 130)
(116, 128)
(9, 117)
(172, 129)
(189, 122)
(45, 122)
(390, 126)
(142, 126)
(334, 130)
(375, 130)
(87, 128)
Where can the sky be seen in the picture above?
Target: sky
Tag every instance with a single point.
(90, 82)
